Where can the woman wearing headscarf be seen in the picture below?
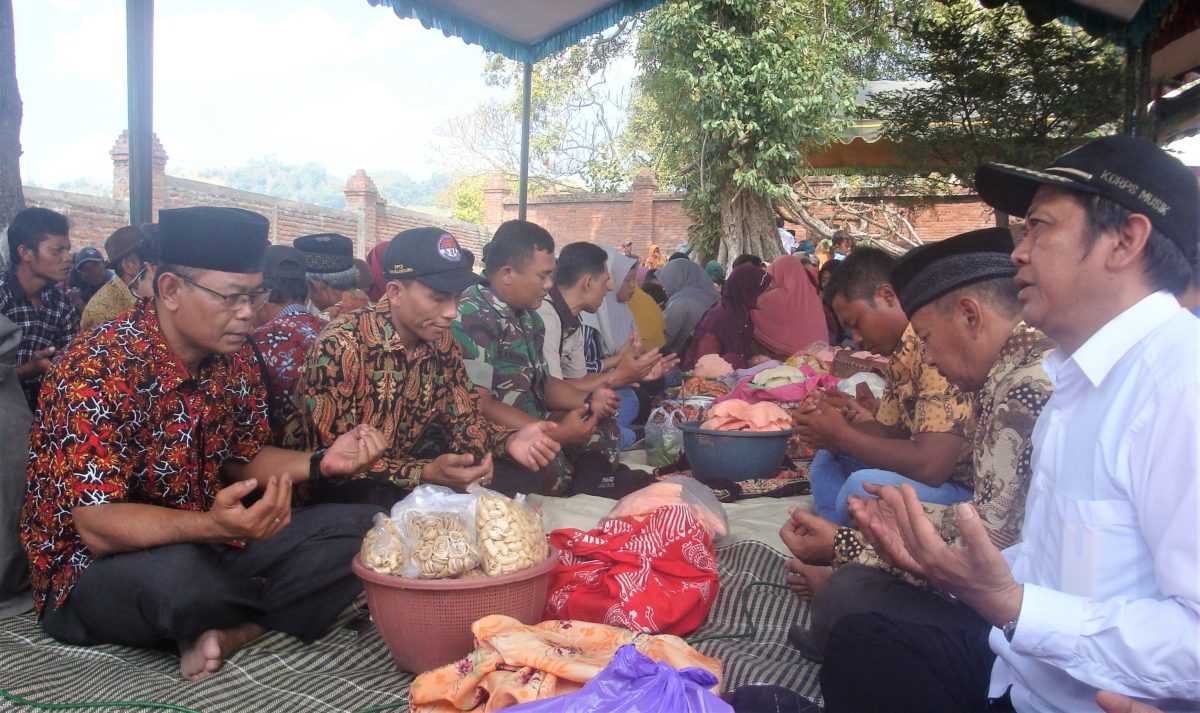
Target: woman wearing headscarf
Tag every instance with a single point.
(375, 264)
(789, 316)
(727, 328)
(654, 260)
(689, 295)
(716, 273)
(607, 334)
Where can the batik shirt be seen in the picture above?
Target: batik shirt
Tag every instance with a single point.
(283, 345)
(358, 371)
(123, 421)
(109, 302)
(918, 399)
(53, 324)
(502, 350)
(1009, 403)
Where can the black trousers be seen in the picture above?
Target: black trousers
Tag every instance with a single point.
(923, 664)
(296, 582)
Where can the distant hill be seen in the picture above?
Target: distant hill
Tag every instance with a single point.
(312, 183)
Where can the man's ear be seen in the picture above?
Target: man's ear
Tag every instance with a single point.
(887, 293)
(169, 287)
(393, 289)
(1130, 246)
(971, 313)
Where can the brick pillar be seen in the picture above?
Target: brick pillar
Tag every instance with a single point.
(362, 197)
(120, 159)
(158, 180)
(641, 212)
(493, 201)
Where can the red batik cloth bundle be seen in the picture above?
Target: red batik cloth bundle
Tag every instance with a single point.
(656, 573)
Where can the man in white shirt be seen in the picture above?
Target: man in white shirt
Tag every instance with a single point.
(786, 237)
(1103, 592)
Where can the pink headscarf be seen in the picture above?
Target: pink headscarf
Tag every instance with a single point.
(789, 315)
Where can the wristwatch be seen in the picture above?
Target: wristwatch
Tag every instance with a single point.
(314, 464)
(1009, 629)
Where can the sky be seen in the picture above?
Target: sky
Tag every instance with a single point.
(335, 82)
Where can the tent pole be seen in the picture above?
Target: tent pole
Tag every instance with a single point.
(139, 43)
(523, 189)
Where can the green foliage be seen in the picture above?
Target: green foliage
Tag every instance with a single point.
(1000, 89)
(463, 198)
(737, 92)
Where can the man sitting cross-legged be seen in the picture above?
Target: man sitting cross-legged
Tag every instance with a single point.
(918, 433)
(502, 338)
(962, 300)
(582, 280)
(150, 434)
(1103, 589)
(393, 364)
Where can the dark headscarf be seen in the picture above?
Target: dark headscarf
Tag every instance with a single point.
(730, 319)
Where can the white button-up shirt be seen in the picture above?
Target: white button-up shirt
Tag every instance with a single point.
(1110, 550)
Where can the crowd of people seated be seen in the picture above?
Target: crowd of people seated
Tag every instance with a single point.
(213, 421)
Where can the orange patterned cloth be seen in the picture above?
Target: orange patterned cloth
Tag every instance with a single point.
(699, 386)
(516, 663)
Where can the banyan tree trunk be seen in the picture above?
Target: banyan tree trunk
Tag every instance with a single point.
(747, 226)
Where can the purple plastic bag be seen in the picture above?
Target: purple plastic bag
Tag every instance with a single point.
(633, 683)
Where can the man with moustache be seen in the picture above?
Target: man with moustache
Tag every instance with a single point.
(150, 434)
(394, 364)
(32, 295)
(1103, 591)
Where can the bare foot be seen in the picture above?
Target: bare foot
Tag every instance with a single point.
(205, 655)
(807, 579)
(809, 536)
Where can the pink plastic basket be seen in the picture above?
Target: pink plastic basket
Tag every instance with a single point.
(426, 623)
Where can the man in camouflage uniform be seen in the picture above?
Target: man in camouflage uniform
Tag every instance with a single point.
(501, 336)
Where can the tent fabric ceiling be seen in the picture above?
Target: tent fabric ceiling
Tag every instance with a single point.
(522, 30)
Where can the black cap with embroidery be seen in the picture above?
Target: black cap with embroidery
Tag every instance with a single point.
(930, 271)
(431, 256)
(326, 253)
(1134, 173)
(212, 238)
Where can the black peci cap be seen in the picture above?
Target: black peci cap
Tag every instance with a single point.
(929, 271)
(326, 253)
(211, 238)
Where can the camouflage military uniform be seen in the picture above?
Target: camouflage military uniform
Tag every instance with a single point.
(502, 350)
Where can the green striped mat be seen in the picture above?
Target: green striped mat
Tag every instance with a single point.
(349, 670)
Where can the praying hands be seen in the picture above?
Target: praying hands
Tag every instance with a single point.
(894, 522)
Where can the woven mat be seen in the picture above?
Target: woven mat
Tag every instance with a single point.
(350, 670)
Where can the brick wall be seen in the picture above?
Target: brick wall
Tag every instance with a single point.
(92, 218)
(367, 218)
(642, 214)
(647, 216)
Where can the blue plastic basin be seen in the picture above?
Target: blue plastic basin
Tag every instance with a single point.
(733, 455)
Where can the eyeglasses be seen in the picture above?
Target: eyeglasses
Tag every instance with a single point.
(235, 300)
(140, 274)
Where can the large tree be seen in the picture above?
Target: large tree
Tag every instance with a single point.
(578, 118)
(738, 92)
(997, 89)
(12, 198)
